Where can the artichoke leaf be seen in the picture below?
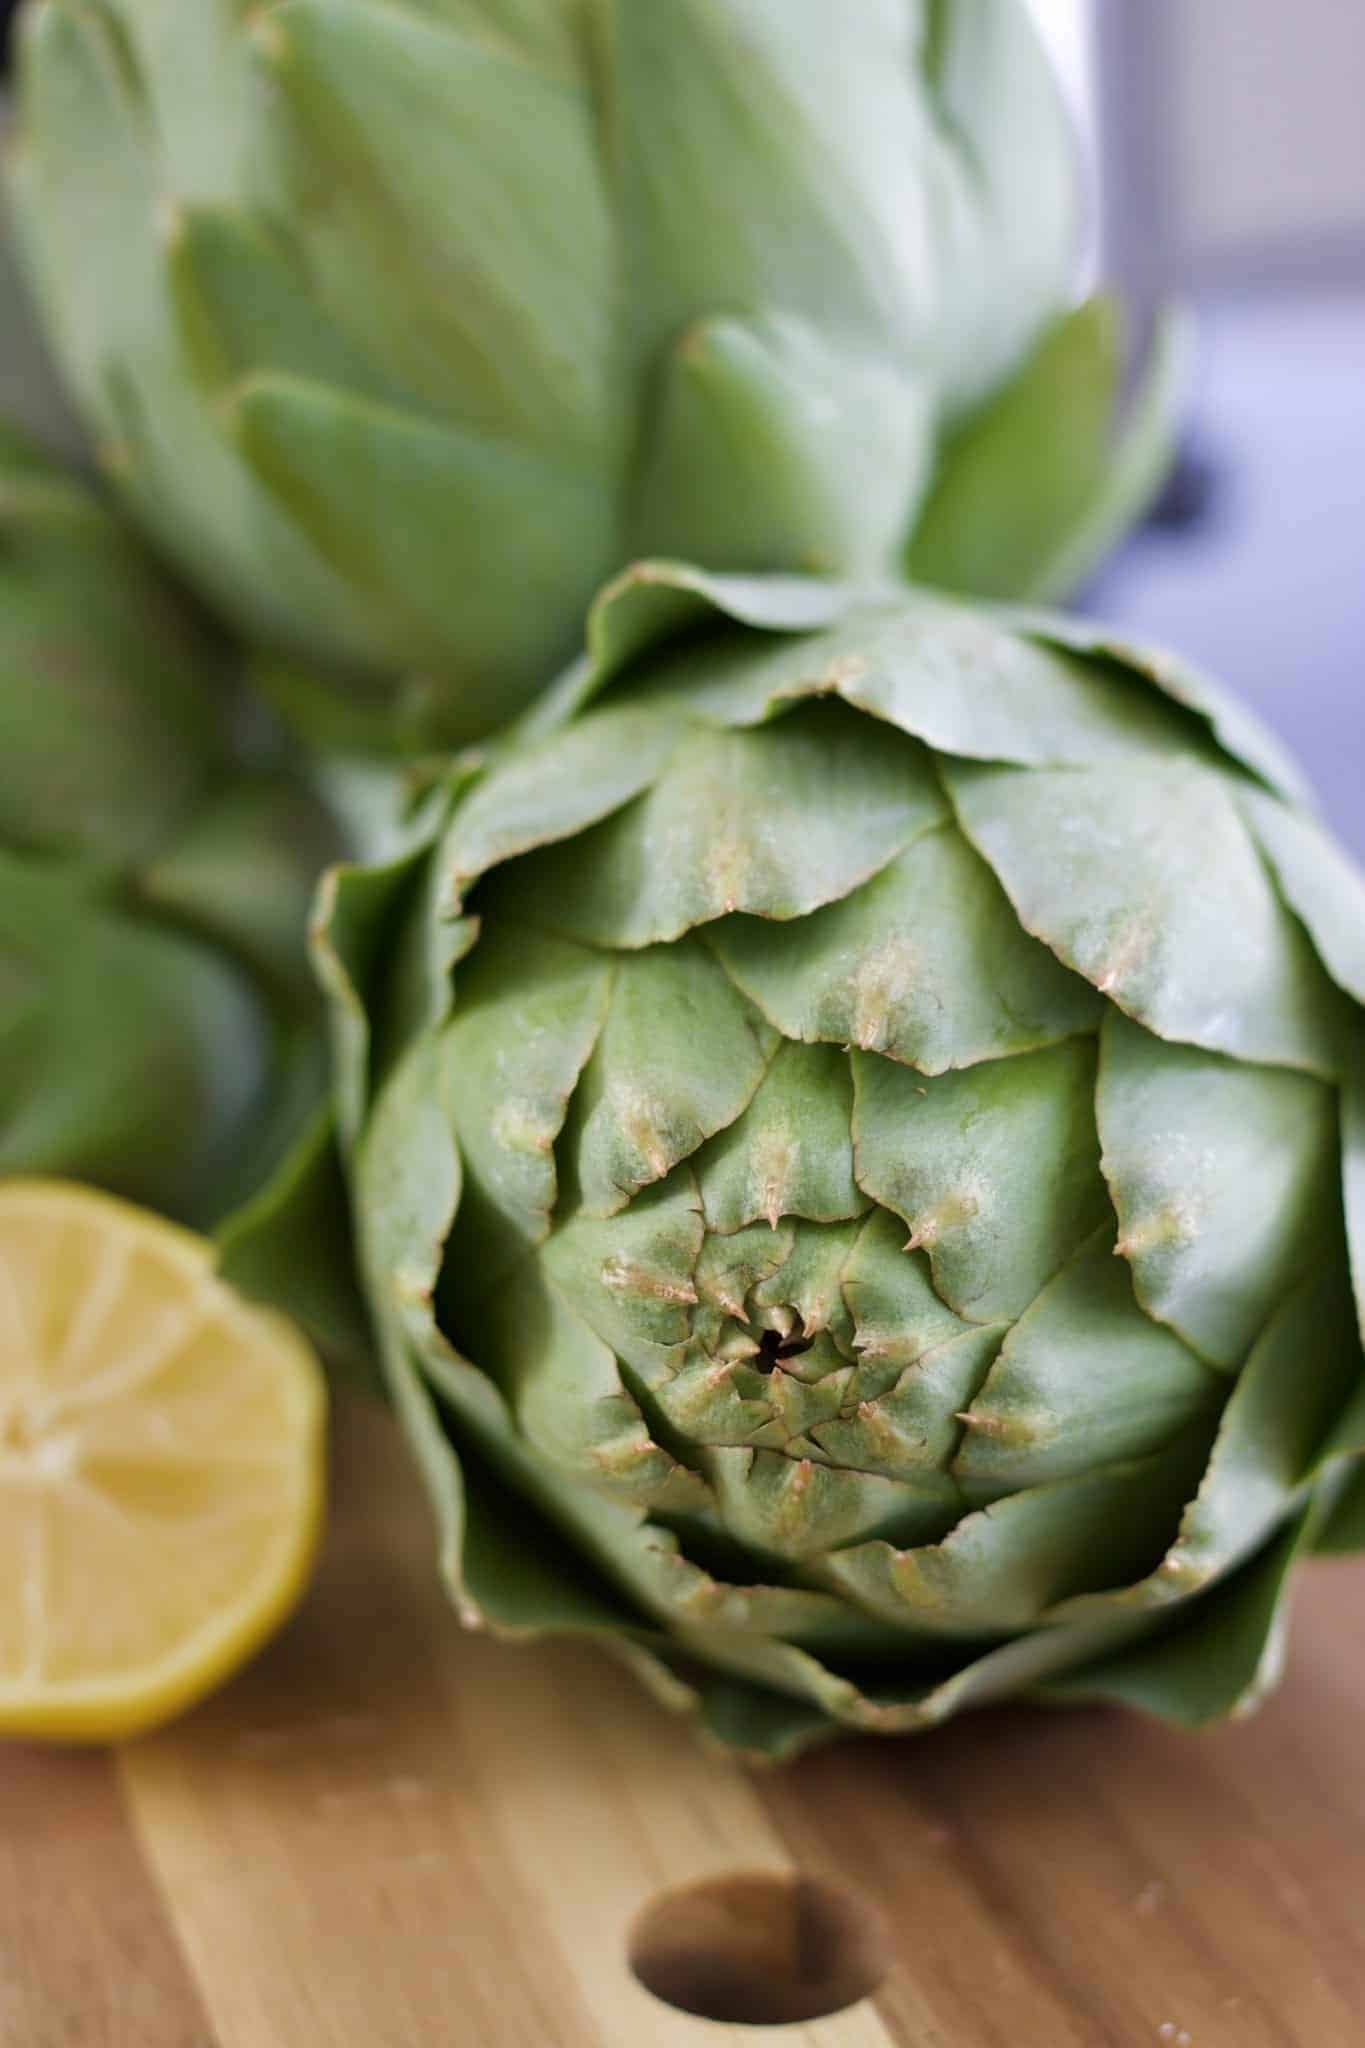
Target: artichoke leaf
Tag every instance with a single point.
(1041, 442)
(1084, 1379)
(1320, 883)
(994, 1170)
(529, 1012)
(1223, 1657)
(632, 1278)
(925, 963)
(773, 821)
(1224, 1180)
(437, 253)
(679, 1056)
(1272, 1439)
(800, 1509)
(91, 226)
(790, 1154)
(1002, 1568)
(456, 539)
(1343, 1532)
(291, 1246)
(1155, 893)
(1157, 672)
(1353, 1169)
(769, 449)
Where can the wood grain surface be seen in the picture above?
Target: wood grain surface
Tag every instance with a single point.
(387, 1834)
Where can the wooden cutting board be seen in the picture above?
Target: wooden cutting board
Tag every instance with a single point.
(390, 1835)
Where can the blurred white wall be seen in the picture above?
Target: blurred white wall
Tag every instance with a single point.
(1269, 118)
(1233, 137)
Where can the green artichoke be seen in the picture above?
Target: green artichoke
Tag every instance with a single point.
(401, 326)
(846, 1118)
(157, 1024)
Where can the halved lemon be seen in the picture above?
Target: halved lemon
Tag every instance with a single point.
(161, 1467)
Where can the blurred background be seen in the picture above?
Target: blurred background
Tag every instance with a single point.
(1227, 139)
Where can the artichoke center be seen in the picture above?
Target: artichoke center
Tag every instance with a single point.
(774, 1347)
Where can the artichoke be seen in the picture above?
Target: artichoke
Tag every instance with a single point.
(157, 1020)
(855, 1120)
(400, 327)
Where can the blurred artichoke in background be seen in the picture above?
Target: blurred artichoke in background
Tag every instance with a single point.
(848, 1119)
(401, 326)
(158, 1029)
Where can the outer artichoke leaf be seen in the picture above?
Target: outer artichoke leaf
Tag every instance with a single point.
(244, 870)
(116, 1039)
(352, 920)
(791, 1152)
(1084, 1380)
(436, 252)
(1273, 1437)
(1001, 1673)
(527, 1018)
(652, 603)
(967, 682)
(760, 1725)
(926, 963)
(1347, 1438)
(505, 1564)
(92, 215)
(1133, 466)
(691, 130)
(640, 1557)
(120, 717)
(1004, 208)
(816, 1700)
(1224, 1180)
(800, 1510)
(1238, 732)
(406, 1191)
(293, 1083)
(1017, 478)
(549, 789)
(964, 680)
(90, 210)
(524, 1579)
(1353, 1168)
(1003, 1567)
(774, 821)
(769, 448)
(1319, 881)
(1156, 895)
(995, 1170)
(406, 1194)
(631, 1278)
(473, 551)
(1343, 1533)
(290, 1246)
(243, 305)
(680, 1055)
(1223, 1657)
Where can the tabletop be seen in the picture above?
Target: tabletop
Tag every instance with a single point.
(389, 1834)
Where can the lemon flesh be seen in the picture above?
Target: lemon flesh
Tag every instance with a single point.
(161, 1467)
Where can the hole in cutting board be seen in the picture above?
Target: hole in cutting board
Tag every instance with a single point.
(760, 1949)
